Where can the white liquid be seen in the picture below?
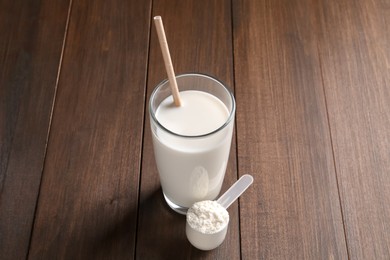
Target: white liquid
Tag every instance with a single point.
(192, 169)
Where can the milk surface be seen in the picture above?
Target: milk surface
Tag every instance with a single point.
(199, 114)
(192, 168)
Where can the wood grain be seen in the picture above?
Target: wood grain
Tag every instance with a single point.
(89, 193)
(77, 172)
(354, 46)
(200, 40)
(28, 73)
(293, 210)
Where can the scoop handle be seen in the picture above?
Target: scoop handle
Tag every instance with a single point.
(235, 191)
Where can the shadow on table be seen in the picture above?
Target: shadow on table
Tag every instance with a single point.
(159, 234)
(161, 231)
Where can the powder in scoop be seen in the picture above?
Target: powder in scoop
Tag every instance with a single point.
(207, 217)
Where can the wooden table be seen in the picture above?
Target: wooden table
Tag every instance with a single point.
(311, 79)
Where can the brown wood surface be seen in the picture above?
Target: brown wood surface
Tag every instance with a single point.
(294, 204)
(312, 85)
(89, 194)
(29, 64)
(354, 46)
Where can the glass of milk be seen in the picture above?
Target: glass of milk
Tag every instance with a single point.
(191, 142)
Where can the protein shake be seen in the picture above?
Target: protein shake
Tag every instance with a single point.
(192, 142)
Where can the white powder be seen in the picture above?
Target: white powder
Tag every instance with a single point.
(207, 217)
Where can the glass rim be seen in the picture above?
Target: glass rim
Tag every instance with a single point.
(227, 122)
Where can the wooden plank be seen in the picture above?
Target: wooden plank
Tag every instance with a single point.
(200, 40)
(89, 193)
(354, 47)
(29, 63)
(293, 210)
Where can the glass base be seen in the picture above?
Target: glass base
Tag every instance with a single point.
(177, 208)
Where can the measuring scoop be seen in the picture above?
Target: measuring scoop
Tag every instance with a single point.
(203, 237)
